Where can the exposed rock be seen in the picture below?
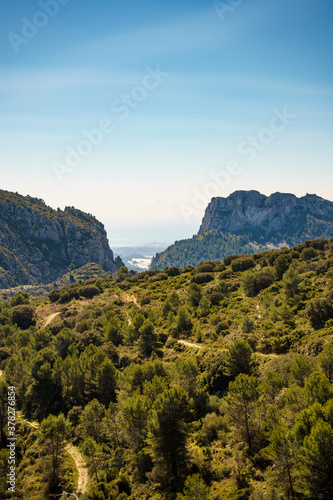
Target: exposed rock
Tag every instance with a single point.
(39, 245)
(249, 222)
(250, 211)
(245, 211)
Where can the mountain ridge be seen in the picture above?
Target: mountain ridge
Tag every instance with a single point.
(248, 222)
(283, 212)
(39, 244)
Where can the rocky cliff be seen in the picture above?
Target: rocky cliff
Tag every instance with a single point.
(247, 222)
(284, 214)
(39, 244)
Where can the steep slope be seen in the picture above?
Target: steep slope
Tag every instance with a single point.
(247, 222)
(39, 244)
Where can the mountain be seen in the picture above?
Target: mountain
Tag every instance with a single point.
(247, 222)
(39, 245)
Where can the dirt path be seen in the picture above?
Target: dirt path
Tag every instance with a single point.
(50, 318)
(80, 464)
(189, 344)
(127, 298)
(82, 482)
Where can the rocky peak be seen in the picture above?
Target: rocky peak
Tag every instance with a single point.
(250, 211)
(39, 244)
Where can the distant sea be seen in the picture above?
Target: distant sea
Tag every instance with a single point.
(138, 257)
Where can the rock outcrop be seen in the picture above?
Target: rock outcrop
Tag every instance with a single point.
(249, 211)
(39, 244)
(248, 222)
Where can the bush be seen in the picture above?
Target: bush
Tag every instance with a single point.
(144, 300)
(183, 321)
(227, 261)
(239, 359)
(242, 264)
(170, 343)
(19, 299)
(215, 297)
(320, 310)
(188, 269)
(254, 282)
(211, 425)
(281, 265)
(202, 278)
(74, 292)
(88, 291)
(172, 271)
(247, 325)
(205, 267)
(23, 316)
(222, 326)
(158, 277)
(54, 295)
(308, 253)
(194, 294)
(216, 379)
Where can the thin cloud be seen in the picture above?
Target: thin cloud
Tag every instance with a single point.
(196, 32)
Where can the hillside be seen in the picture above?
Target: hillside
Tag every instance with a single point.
(211, 383)
(38, 245)
(247, 222)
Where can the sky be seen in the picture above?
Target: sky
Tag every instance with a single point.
(140, 111)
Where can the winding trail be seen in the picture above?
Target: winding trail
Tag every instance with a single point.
(80, 464)
(127, 298)
(82, 482)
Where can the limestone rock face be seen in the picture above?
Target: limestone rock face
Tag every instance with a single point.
(249, 211)
(247, 222)
(39, 244)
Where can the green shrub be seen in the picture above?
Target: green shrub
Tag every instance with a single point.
(320, 310)
(19, 299)
(172, 271)
(202, 278)
(247, 325)
(227, 260)
(308, 253)
(194, 294)
(242, 264)
(23, 316)
(281, 264)
(158, 277)
(255, 281)
(205, 267)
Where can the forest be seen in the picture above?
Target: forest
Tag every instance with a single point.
(205, 383)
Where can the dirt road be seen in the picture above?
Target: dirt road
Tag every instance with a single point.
(80, 464)
(82, 483)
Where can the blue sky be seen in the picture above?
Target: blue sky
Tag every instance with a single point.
(182, 91)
